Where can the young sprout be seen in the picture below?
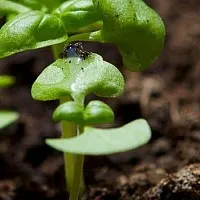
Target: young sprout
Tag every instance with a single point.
(134, 27)
(65, 78)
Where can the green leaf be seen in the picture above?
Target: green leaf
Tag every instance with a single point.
(96, 112)
(6, 81)
(42, 5)
(30, 30)
(51, 4)
(7, 117)
(77, 78)
(69, 111)
(105, 141)
(137, 30)
(11, 7)
(34, 5)
(10, 16)
(77, 13)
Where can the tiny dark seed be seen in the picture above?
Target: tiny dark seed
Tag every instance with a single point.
(70, 61)
(147, 20)
(117, 16)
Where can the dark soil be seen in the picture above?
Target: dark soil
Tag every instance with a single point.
(167, 95)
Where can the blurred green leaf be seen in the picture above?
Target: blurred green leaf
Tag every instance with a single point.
(7, 117)
(34, 5)
(10, 7)
(105, 141)
(6, 81)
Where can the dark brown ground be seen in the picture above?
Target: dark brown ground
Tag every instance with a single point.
(167, 95)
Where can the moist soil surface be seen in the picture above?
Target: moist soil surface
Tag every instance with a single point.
(167, 95)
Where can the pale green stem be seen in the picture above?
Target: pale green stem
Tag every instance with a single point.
(57, 49)
(68, 130)
(78, 184)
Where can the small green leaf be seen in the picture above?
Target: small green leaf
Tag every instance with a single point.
(7, 117)
(137, 30)
(77, 13)
(77, 78)
(12, 7)
(69, 111)
(105, 141)
(30, 30)
(97, 112)
(6, 81)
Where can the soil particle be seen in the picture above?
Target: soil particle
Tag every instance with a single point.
(185, 184)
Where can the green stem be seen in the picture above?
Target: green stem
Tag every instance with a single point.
(57, 49)
(68, 130)
(96, 26)
(93, 36)
(78, 184)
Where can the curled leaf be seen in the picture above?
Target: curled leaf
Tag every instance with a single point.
(136, 28)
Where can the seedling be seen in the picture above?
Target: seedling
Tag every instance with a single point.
(133, 26)
(7, 117)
